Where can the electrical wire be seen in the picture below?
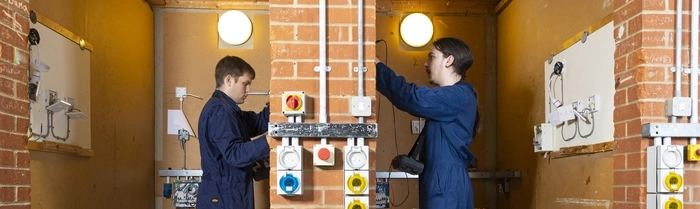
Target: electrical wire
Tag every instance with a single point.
(391, 187)
(592, 124)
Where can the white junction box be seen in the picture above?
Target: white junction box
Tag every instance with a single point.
(361, 106)
(180, 92)
(543, 140)
(357, 202)
(324, 155)
(678, 106)
(664, 201)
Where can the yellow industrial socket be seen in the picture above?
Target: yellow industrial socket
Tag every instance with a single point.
(673, 203)
(694, 152)
(673, 182)
(357, 204)
(357, 183)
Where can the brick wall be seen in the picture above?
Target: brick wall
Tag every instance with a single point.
(294, 38)
(14, 103)
(644, 33)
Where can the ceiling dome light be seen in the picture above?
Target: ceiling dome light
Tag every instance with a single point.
(416, 30)
(235, 27)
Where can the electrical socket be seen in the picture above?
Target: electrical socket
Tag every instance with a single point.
(180, 92)
(50, 97)
(594, 102)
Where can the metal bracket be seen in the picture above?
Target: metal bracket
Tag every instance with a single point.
(473, 175)
(182, 173)
(671, 130)
(318, 68)
(323, 130)
(364, 69)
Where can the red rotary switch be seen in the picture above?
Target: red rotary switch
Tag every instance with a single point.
(293, 102)
(324, 154)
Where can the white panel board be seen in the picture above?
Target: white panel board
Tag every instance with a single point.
(588, 70)
(69, 76)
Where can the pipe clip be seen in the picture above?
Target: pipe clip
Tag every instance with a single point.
(364, 69)
(317, 68)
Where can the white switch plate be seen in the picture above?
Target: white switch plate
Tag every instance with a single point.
(415, 126)
(180, 92)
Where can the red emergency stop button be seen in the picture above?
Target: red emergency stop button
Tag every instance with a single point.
(293, 102)
(324, 154)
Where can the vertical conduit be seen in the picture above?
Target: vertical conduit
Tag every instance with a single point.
(695, 7)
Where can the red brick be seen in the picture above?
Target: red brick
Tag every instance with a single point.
(618, 4)
(339, 69)
(628, 45)
(634, 127)
(311, 32)
(7, 123)
(22, 125)
(22, 91)
(636, 194)
(14, 39)
(17, 72)
(309, 86)
(651, 73)
(627, 11)
(339, 105)
(655, 39)
(629, 177)
(7, 158)
(23, 159)
(327, 177)
(619, 36)
(328, 2)
(631, 145)
(282, 69)
(7, 86)
(696, 191)
(293, 15)
(342, 51)
(635, 25)
(334, 197)
(658, 21)
(7, 194)
(659, 5)
(23, 194)
(652, 109)
(619, 193)
(14, 177)
(280, 2)
(636, 160)
(620, 130)
(620, 64)
(647, 90)
(13, 141)
(626, 112)
(620, 98)
(619, 161)
(294, 51)
(14, 107)
(282, 33)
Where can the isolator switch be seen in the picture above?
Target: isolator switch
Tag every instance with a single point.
(324, 155)
(293, 103)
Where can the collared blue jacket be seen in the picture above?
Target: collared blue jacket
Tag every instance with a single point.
(450, 113)
(228, 152)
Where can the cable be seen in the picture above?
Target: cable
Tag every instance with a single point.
(391, 187)
(386, 49)
(592, 124)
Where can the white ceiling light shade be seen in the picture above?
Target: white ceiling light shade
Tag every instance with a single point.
(416, 29)
(235, 27)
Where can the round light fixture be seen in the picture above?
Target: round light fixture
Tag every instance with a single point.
(235, 27)
(416, 30)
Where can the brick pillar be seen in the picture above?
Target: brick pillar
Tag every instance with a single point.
(14, 103)
(294, 39)
(645, 37)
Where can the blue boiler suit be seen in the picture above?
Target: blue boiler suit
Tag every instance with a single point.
(450, 112)
(228, 153)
